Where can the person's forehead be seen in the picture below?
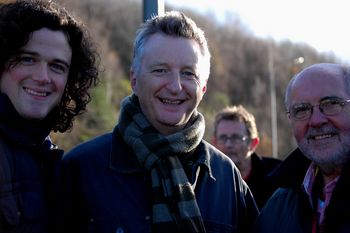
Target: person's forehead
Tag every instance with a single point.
(231, 126)
(157, 40)
(316, 83)
(161, 48)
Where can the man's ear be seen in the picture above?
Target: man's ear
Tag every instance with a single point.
(204, 88)
(133, 81)
(254, 142)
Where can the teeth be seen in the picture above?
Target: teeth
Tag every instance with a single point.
(322, 136)
(32, 92)
(166, 101)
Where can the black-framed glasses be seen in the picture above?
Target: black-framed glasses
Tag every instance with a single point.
(234, 139)
(329, 106)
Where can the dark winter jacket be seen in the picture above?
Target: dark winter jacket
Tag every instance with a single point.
(29, 167)
(258, 180)
(105, 189)
(289, 209)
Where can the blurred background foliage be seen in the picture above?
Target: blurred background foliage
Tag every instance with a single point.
(240, 71)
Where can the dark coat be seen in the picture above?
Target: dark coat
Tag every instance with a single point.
(258, 181)
(29, 166)
(289, 209)
(106, 190)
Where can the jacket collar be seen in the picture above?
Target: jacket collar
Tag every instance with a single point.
(291, 172)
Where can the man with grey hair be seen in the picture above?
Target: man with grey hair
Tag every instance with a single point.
(315, 178)
(154, 172)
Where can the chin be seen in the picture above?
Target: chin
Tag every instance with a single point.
(35, 116)
(173, 121)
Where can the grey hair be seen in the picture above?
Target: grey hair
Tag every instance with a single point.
(174, 24)
(288, 90)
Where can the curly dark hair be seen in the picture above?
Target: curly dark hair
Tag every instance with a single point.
(18, 20)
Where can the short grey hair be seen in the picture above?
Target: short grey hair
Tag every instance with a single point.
(172, 23)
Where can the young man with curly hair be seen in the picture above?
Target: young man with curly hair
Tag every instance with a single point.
(47, 65)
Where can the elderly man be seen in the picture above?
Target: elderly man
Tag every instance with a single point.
(154, 172)
(315, 178)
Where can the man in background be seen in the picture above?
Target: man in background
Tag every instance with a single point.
(236, 134)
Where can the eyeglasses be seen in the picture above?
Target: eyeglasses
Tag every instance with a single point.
(234, 139)
(328, 106)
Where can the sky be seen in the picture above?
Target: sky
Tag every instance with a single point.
(322, 24)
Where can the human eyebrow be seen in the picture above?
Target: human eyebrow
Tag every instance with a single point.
(158, 68)
(330, 98)
(35, 54)
(19, 56)
(27, 52)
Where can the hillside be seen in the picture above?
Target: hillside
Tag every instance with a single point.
(242, 67)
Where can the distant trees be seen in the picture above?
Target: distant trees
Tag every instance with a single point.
(239, 71)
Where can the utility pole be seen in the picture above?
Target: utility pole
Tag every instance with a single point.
(273, 102)
(152, 8)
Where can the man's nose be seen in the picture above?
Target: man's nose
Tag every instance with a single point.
(41, 73)
(317, 117)
(175, 84)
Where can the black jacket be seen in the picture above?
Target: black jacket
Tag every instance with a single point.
(106, 190)
(289, 209)
(258, 181)
(29, 166)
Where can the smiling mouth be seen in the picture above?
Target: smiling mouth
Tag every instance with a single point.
(36, 93)
(321, 137)
(171, 102)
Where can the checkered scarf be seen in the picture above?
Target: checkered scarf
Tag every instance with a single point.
(175, 208)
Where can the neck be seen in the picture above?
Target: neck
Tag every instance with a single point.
(330, 173)
(245, 168)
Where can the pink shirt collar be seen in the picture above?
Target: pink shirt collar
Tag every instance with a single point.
(308, 183)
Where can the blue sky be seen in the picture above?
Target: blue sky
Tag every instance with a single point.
(323, 24)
